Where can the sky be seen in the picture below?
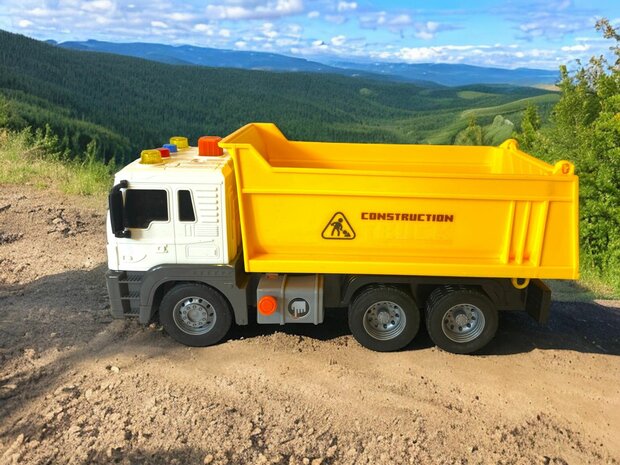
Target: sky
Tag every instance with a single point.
(506, 34)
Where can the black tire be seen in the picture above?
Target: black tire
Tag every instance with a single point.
(377, 303)
(195, 315)
(460, 320)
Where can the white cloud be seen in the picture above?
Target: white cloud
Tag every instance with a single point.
(294, 29)
(201, 27)
(98, 5)
(554, 28)
(286, 42)
(269, 9)
(428, 30)
(268, 31)
(24, 23)
(576, 48)
(338, 40)
(182, 17)
(159, 24)
(374, 19)
(400, 20)
(497, 55)
(42, 12)
(346, 6)
(424, 35)
(314, 14)
(550, 19)
(401, 23)
(432, 26)
(103, 20)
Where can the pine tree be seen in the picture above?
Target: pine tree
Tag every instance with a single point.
(530, 125)
(472, 135)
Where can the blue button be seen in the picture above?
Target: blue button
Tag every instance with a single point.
(171, 147)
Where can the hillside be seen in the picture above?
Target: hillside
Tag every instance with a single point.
(125, 104)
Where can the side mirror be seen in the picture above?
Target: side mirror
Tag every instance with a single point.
(115, 205)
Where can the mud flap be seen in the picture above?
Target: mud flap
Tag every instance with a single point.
(114, 293)
(538, 301)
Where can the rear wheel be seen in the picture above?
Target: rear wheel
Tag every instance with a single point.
(460, 320)
(195, 315)
(384, 318)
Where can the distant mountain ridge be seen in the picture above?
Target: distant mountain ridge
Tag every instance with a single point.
(421, 73)
(203, 56)
(221, 58)
(457, 75)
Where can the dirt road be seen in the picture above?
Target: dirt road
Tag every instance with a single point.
(79, 388)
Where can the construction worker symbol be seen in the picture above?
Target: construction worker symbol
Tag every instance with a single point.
(338, 228)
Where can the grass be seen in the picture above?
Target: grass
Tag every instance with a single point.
(605, 284)
(29, 160)
(591, 286)
(472, 94)
(510, 107)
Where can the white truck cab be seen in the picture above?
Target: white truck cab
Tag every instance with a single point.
(180, 211)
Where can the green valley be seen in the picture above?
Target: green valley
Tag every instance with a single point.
(124, 104)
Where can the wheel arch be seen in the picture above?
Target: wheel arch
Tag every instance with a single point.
(222, 279)
(354, 285)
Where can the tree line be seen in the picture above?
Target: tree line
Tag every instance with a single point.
(585, 128)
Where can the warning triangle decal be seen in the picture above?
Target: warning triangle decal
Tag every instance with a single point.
(338, 228)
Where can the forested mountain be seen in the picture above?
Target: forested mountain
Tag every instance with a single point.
(125, 104)
(203, 56)
(444, 74)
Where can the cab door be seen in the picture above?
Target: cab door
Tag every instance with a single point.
(147, 214)
(198, 224)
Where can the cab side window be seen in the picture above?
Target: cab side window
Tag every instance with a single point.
(143, 206)
(186, 207)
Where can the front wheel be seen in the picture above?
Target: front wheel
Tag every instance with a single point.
(384, 318)
(460, 320)
(195, 315)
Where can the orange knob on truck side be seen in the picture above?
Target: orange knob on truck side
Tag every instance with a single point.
(267, 305)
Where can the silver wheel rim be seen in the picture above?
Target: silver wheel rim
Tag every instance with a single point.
(194, 315)
(463, 323)
(384, 320)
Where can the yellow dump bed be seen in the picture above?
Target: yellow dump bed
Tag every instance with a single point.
(313, 207)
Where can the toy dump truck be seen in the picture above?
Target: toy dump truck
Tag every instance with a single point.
(394, 234)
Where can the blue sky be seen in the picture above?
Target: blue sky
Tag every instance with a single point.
(507, 34)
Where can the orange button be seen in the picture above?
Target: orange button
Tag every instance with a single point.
(267, 305)
(207, 146)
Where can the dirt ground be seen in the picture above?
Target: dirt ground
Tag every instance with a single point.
(77, 387)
